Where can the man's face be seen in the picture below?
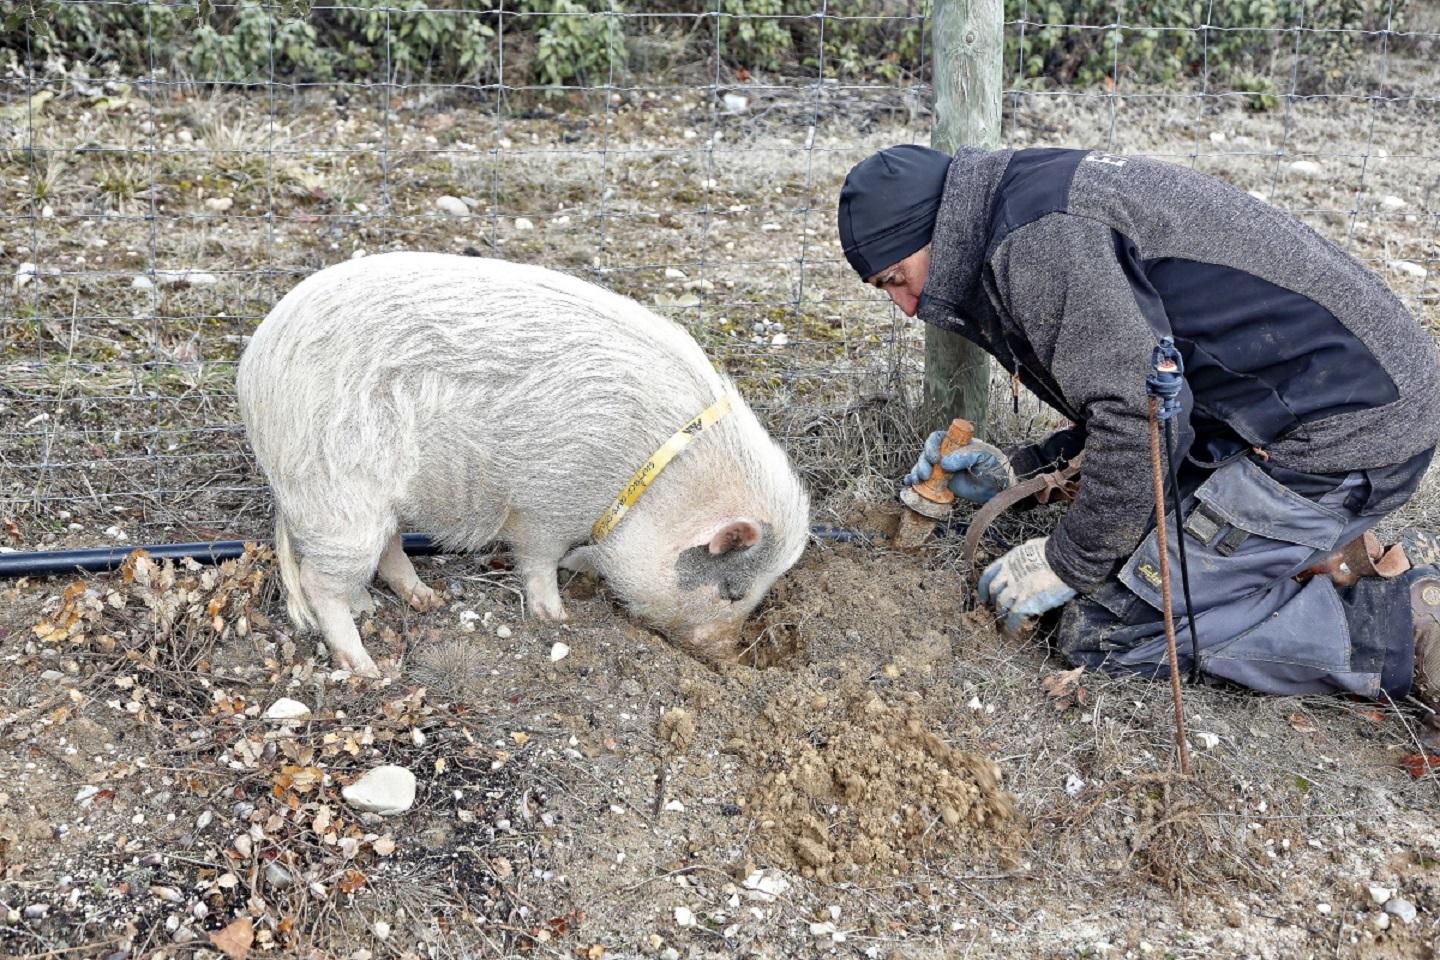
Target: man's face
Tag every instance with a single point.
(904, 281)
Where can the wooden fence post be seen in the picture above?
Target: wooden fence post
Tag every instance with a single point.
(968, 39)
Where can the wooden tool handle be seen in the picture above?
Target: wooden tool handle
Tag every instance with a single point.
(937, 489)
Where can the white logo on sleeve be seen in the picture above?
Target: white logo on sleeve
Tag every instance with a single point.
(1105, 158)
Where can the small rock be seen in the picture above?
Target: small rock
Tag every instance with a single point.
(765, 885)
(219, 204)
(1216, 136)
(669, 953)
(168, 894)
(36, 911)
(1073, 785)
(683, 917)
(672, 274)
(1206, 740)
(675, 806)
(277, 876)
(1409, 268)
(200, 911)
(385, 790)
(1263, 198)
(1380, 894)
(523, 224)
(417, 736)
(779, 340)
(822, 929)
(142, 283)
(1402, 908)
(1322, 908)
(1306, 168)
(1392, 202)
(382, 929)
(504, 632)
(85, 794)
(452, 206)
(1382, 921)
(287, 709)
(24, 274)
(735, 103)
(559, 651)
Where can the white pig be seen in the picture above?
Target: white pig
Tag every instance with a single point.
(478, 400)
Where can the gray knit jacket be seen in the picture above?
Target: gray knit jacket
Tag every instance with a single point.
(1068, 266)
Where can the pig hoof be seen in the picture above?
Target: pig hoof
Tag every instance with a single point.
(360, 664)
(554, 614)
(424, 598)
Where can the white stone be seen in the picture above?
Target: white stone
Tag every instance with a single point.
(382, 929)
(669, 953)
(1380, 894)
(1306, 168)
(675, 806)
(385, 790)
(503, 632)
(522, 224)
(1392, 202)
(1323, 908)
(86, 794)
(683, 917)
(822, 929)
(142, 283)
(417, 736)
(779, 340)
(1216, 136)
(1409, 268)
(1382, 921)
(452, 206)
(1402, 908)
(287, 709)
(559, 651)
(219, 204)
(1263, 198)
(735, 103)
(1073, 785)
(24, 274)
(1207, 740)
(975, 703)
(765, 885)
(672, 274)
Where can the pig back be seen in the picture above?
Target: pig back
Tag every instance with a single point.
(459, 384)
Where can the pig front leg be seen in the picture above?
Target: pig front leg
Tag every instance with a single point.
(540, 572)
(329, 597)
(397, 571)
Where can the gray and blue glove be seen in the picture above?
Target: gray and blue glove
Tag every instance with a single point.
(1021, 584)
(977, 470)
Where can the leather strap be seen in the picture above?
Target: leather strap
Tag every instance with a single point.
(1056, 486)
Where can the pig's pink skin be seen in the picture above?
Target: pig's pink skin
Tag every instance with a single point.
(480, 400)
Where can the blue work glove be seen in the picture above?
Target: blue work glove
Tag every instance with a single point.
(977, 470)
(1021, 584)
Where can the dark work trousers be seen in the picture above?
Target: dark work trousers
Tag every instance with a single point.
(1250, 528)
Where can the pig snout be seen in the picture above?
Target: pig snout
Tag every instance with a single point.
(719, 642)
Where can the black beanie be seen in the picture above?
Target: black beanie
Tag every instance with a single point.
(888, 206)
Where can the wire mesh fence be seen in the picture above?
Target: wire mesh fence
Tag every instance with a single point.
(166, 179)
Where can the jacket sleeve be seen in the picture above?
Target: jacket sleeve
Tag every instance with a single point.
(1049, 454)
(1060, 280)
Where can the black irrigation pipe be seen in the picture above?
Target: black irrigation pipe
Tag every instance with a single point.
(49, 562)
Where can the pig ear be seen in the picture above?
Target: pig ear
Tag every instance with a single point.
(735, 535)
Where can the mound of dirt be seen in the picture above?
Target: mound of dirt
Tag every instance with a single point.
(850, 779)
(853, 785)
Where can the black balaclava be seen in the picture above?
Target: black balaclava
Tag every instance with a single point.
(888, 206)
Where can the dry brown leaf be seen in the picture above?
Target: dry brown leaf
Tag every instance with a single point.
(235, 939)
(1064, 688)
(1302, 723)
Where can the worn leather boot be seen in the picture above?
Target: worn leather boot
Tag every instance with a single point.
(1423, 551)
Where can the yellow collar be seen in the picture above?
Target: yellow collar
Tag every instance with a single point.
(641, 479)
